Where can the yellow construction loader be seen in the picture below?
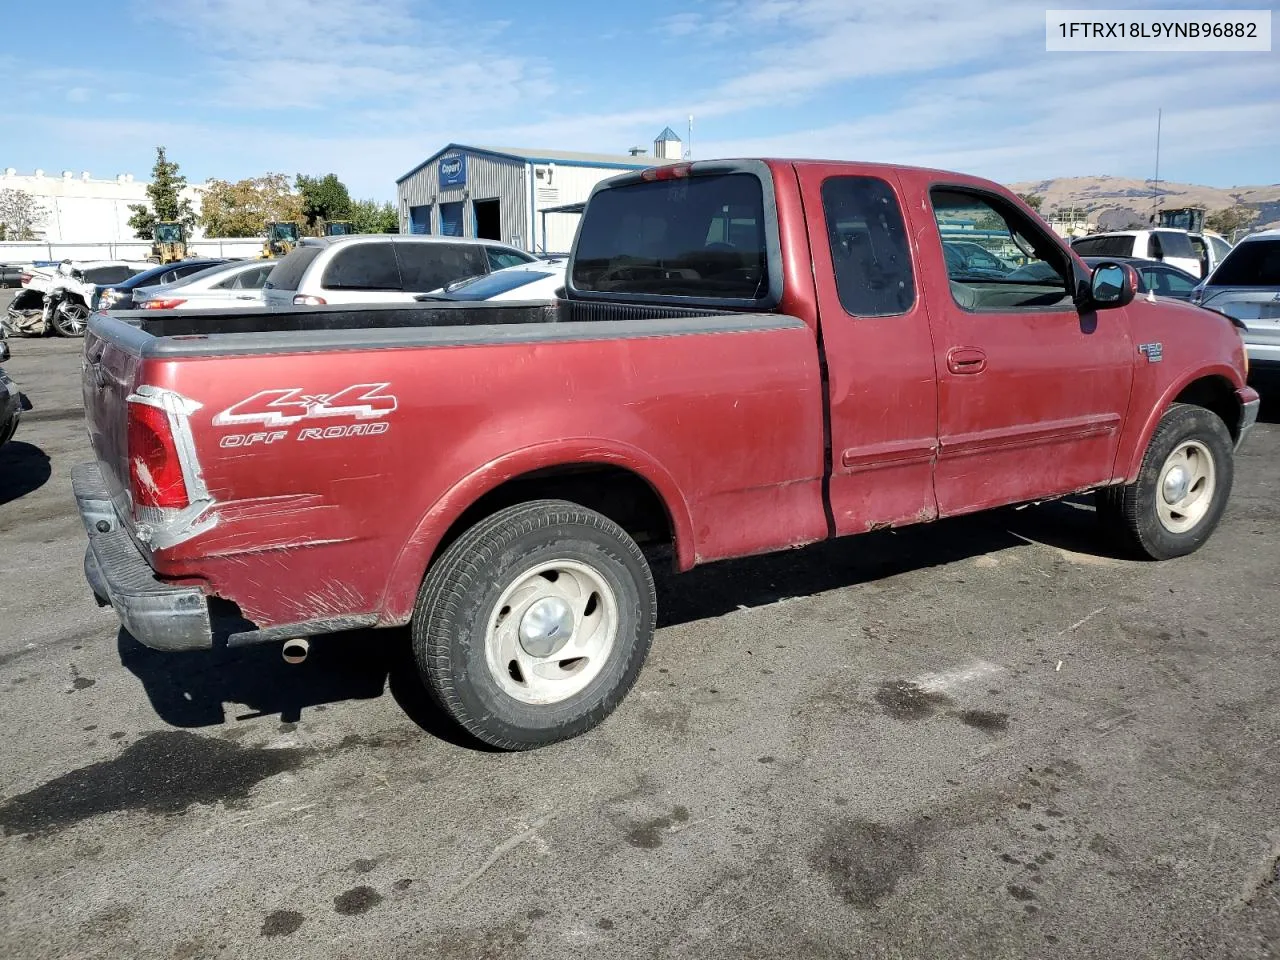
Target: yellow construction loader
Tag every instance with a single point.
(168, 243)
(281, 238)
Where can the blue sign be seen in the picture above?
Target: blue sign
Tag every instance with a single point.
(453, 170)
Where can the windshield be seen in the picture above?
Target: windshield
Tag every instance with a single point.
(168, 233)
(1253, 263)
(284, 231)
(492, 284)
(687, 237)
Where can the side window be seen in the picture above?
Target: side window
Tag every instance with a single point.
(363, 266)
(254, 279)
(1176, 284)
(499, 259)
(997, 258)
(231, 283)
(1155, 250)
(869, 248)
(430, 266)
(1175, 244)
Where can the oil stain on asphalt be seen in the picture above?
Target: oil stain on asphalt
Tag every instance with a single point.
(162, 773)
(904, 700)
(863, 861)
(356, 900)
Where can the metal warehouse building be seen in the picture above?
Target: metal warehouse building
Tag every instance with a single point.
(527, 198)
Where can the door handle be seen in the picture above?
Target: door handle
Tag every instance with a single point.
(966, 360)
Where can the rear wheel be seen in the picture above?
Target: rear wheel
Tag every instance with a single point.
(534, 624)
(70, 317)
(1181, 491)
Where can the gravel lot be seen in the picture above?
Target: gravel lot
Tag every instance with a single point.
(984, 738)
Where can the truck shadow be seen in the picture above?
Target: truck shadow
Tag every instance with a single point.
(194, 689)
(24, 468)
(1066, 525)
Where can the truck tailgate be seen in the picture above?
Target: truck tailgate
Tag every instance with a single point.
(109, 371)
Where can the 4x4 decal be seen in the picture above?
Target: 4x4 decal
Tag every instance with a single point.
(280, 408)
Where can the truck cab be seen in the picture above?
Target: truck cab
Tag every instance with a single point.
(751, 355)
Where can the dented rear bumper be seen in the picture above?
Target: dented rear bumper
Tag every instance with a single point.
(158, 614)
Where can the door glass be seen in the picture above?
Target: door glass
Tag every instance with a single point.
(869, 248)
(996, 257)
(498, 259)
(430, 266)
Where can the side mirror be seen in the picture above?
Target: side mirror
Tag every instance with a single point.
(1113, 285)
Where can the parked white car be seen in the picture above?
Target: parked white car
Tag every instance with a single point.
(381, 268)
(234, 285)
(540, 280)
(1174, 247)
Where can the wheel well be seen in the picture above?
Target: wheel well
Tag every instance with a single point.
(1215, 394)
(624, 497)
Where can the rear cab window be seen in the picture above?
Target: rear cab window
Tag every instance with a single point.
(363, 266)
(287, 273)
(701, 239)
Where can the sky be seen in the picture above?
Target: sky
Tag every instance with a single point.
(368, 89)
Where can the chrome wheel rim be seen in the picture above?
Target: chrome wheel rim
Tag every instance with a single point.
(73, 317)
(1187, 483)
(551, 631)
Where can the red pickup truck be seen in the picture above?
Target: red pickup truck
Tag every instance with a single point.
(750, 355)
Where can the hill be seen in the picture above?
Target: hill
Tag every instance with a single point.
(1115, 202)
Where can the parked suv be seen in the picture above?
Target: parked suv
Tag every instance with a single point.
(1246, 286)
(381, 269)
(1172, 246)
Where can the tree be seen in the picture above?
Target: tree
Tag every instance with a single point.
(369, 216)
(166, 201)
(244, 208)
(323, 198)
(1230, 219)
(20, 214)
(1032, 200)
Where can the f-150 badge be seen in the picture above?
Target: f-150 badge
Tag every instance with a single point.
(280, 408)
(1154, 352)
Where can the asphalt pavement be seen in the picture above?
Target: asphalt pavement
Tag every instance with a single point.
(987, 737)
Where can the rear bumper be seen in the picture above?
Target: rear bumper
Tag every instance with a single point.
(158, 614)
(1249, 404)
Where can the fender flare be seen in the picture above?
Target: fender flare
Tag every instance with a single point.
(420, 547)
(1127, 468)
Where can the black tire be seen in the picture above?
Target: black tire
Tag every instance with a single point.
(1131, 510)
(70, 318)
(8, 427)
(457, 602)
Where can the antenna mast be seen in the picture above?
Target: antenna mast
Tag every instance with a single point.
(1155, 185)
(689, 140)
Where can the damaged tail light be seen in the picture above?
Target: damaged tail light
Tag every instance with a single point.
(171, 303)
(155, 469)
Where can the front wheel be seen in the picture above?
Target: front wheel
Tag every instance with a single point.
(533, 625)
(1181, 491)
(70, 318)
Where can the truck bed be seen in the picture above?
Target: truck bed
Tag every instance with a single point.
(198, 323)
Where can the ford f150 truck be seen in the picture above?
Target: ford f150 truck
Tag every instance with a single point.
(750, 356)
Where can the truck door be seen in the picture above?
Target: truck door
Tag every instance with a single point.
(879, 354)
(1031, 392)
